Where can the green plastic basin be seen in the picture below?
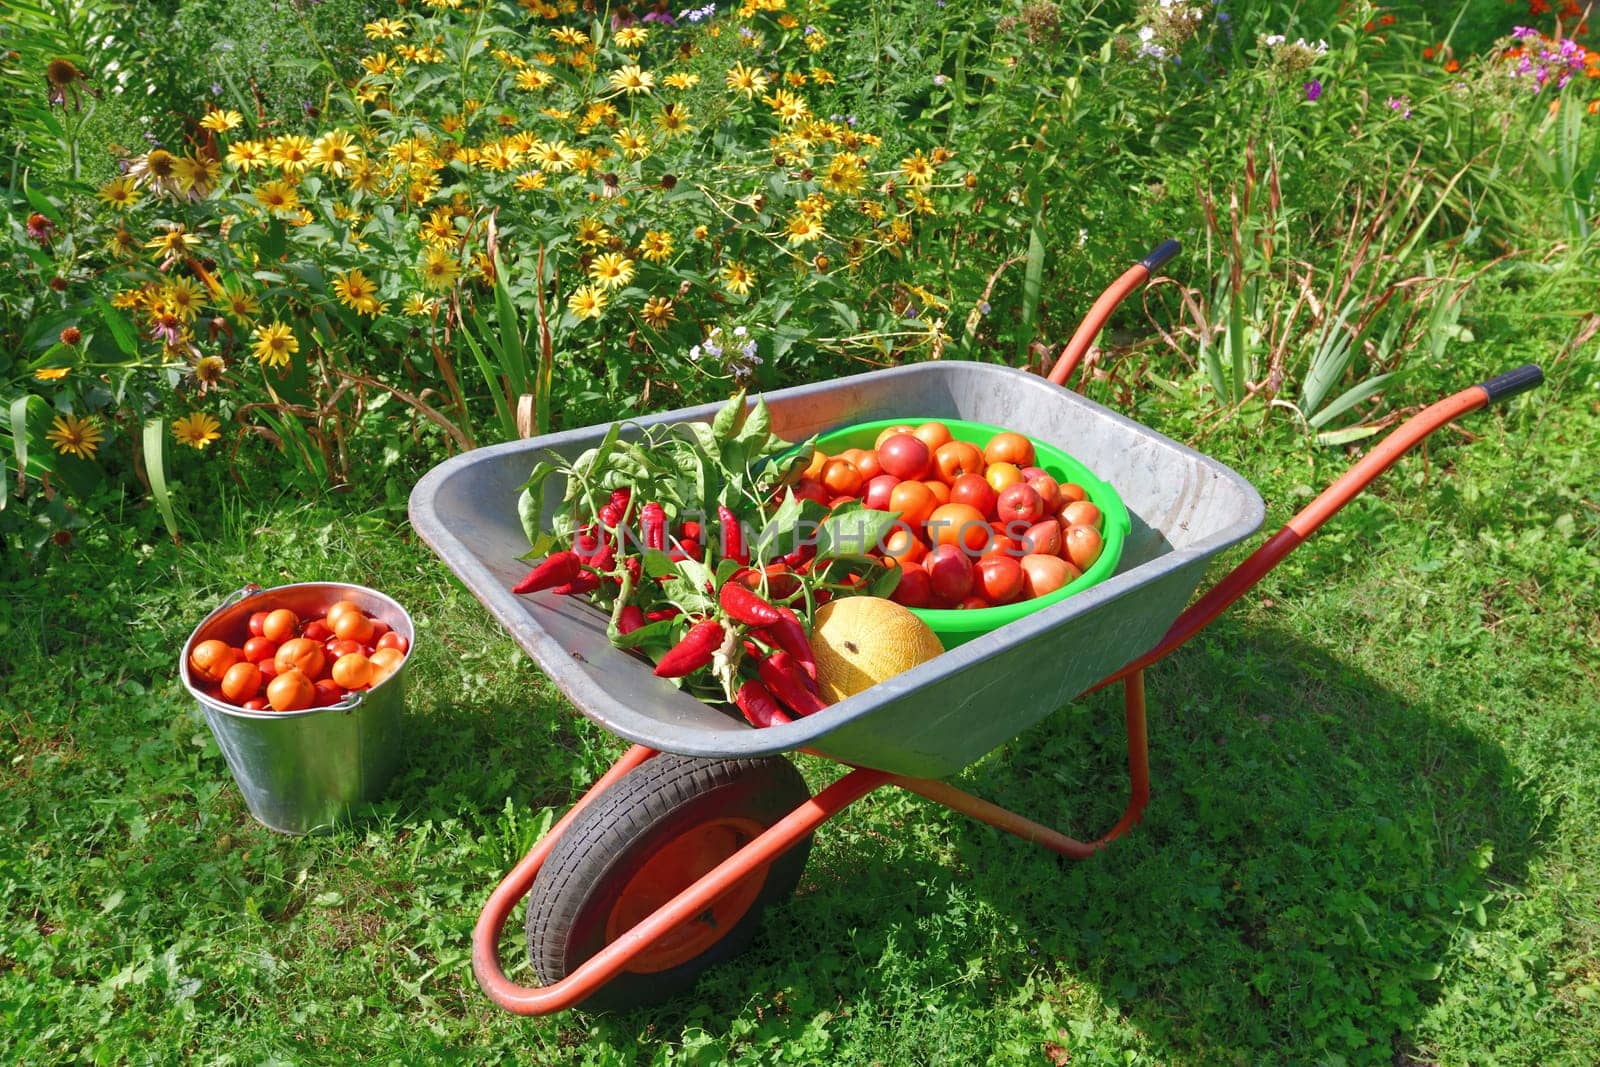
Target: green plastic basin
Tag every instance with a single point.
(958, 627)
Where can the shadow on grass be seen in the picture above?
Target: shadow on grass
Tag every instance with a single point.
(1315, 855)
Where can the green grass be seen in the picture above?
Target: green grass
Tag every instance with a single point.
(1372, 838)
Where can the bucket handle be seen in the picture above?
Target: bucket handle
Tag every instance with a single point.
(239, 594)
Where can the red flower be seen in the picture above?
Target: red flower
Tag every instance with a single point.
(71, 335)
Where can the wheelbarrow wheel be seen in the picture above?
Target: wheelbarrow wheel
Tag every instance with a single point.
(639, 844)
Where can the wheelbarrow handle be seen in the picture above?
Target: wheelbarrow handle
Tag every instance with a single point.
(1115, 293)
(1383, 456)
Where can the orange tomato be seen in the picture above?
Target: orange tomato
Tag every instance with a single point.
(280, 625)
(385, 661)
(866, 461)
(904, 427)
(842, 478)
(352, 626)
(290, 691)
(339, 608)
(300, 654)
(903, 546)
(954, 458)
(1009, 447)
(353, 671)
(1083, 546)
(1080, 513)
(242, 682)
(1070, 491)
(940, 491)
(932, 434)
(1001, 475)
(959, 524)
(819, 459)
(914, 501)
(210, 660)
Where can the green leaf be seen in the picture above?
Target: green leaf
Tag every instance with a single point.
(853, 530)
(155, 465)
(530, 507)
(729, 419)
(121, 331)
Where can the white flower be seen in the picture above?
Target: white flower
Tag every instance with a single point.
(1146, 33)
(1273, 40)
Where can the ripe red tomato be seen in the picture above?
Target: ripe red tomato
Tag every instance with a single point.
(842, 478)
(268, 669)
(905, 457)
(955, 458)
(1020, 503)
(1049, 491)
(257, 621)
(1044, 538)
(255, 704)
(972, 602)
(949, 572)
(890, 431)
(1083, 546)
(959, 524)
(398, 641)
(379, 627)
(1080, 513)
(973, 490)
(1009, 447)
(1044, 574)
(878, 492)
(325, 692)
(317, 630)
(914, 501)
(340, 646)
(999, 578)
(811, 489)
(915, 589)
(259, 648)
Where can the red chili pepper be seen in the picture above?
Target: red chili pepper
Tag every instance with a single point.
(696, 650)
(657, 615)
(586, 542)
(585, 582)
(611, 515)
(803, 554)
(653, 525)
(733, 546)
(744, 606)
(620, 497)
(555, 569)
(783, 678)
(603, 559)
(631, 619)
(689, 530)
(758, 706)
(790, 636)
(635, 568)
(686, 550)
(781, 583)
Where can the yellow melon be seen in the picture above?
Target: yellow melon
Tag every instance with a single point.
(861, 640)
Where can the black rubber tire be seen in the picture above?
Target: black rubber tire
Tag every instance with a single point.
(618, 832)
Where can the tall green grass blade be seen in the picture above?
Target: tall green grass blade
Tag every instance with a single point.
(502, 409)
(514, 356)
(155, 465)
(1236, 342)
(1032, 283)
(1349, 399)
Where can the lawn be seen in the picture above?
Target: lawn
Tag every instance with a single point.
(1375, 781)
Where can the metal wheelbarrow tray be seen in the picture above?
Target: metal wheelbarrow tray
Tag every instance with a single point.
(663, 867)
(928, 722)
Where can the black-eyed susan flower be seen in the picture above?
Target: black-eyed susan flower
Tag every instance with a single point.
(658, 312)
(737, 278)
(803, 229)
(121, 192)
(248, 155)
(274, 344)
(173, 243)
(385, 30)
(673, 120)
(569, 36)
(681, 81)
(591, 232)
(587, 302)
(917, 168)
(197, 430)
(630, 37)
(183, 298)
(357, 292)
(238, 302)
(529, 181)
(76, 437)
(611, 270)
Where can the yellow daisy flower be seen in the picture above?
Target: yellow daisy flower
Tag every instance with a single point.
(587, 302)
(529, 182)
(73, 436)
(631, 80)
(221, 119)
(737, 278)
(357, 292)
(612, 270)
(121, 192)
(182, 297)
(196, 430)
(630, 36)
(658, 312)
(681, 81)
(634, 144)
(173, 243)
(274, 344)
(656, 246)
(239, 303)
(248, 155)
(334, 152)
(439, 269)
(280, 198)
(554, 156)
(418, 306)
(292, 153)
(591, 233)
(673, 120)
(385, 29)
(533, 79)
(803, 228)
(746, 80)
(568, 35)
(917, 169)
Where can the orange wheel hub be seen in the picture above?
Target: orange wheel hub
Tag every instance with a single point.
(672, 869)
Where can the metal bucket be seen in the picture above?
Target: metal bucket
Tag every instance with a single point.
(305, 770)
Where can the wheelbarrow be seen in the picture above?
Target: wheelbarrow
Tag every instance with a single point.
(663, 868)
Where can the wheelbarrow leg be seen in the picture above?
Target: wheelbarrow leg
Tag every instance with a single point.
(1023, 827)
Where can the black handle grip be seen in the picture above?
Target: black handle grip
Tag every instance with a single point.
(1512, 382)
(1160, 255)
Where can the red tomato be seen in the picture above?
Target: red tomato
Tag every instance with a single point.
(959, 524)
(340, 646)
(259, 648)
(1080, 513)
(888, 432)
(972, 489)
(1020, 503)
(257, 621)
(842, 478)
(999, 578)
(1044, 574)
(325, 693)
(1044, 538)
(317, 630)
(915, 589)
(1009, 447)
(268, 669)
(973, 602)
(810, 489)
(1049, 491)
(955, 458)
(905, 457)
(914, 501)
(1083, 546)
(932, 434)
(255, 704)
(379, 627)
(949, 572)
(868, 464)
(398, 641)
(878, 492)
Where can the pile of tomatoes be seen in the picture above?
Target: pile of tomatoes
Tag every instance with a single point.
(978, 527)
(291, 664)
